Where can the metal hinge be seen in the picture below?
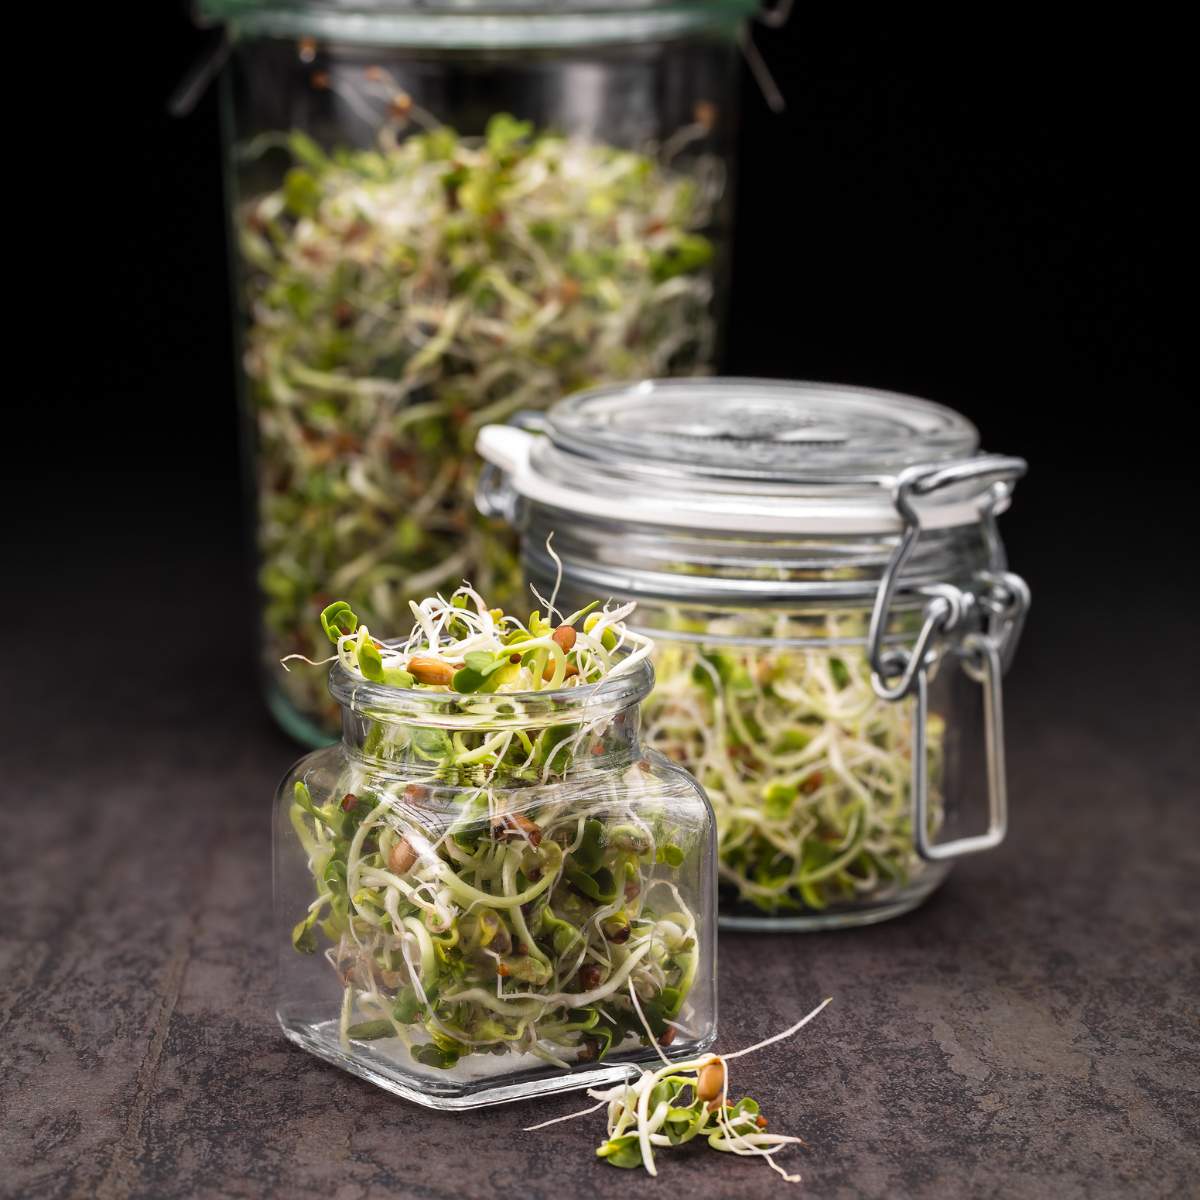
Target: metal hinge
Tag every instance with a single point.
(999, 605)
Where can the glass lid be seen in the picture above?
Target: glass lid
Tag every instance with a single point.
(757, 429)
(744, 455)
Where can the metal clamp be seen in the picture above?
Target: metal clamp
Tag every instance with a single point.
(990, 670)
(1005, 599)
(921, 481)
(1002, 601)
(946, 610)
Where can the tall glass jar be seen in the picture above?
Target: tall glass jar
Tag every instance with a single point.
(444, 212)
(462, 931)
(821, 570)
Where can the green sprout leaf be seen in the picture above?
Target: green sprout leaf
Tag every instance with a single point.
(338, 619)
(370, 663)
(369, 1031)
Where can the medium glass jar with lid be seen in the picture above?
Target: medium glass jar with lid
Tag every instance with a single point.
(444, 211)
(463, 933)
(821, 570)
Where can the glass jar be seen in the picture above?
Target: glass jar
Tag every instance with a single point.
(444, 212)
(821, 571)
(486, 897)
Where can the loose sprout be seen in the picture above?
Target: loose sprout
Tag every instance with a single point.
(519, 892)
(402, 296)
(681, 1101)
(807, 769)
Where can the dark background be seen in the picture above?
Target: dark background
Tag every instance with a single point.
(992, 217)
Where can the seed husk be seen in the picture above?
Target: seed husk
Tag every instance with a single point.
(430, 670)
(711, 1080)
(514, 825)
(401, 856)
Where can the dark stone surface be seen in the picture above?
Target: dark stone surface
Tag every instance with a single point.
(1031, 1032)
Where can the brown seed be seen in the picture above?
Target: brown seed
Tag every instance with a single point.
(667, 1036)
(515, 825)
(569, 290)
(616, 932)
(430, 670)
(705, 114)
(564, 637)
(349, 800)
(401, 856)
(548, 674)
(760, 1121)
(416, 793)
(589, 976)
(711, 1081)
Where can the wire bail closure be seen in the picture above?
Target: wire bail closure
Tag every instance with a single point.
(1001, 602)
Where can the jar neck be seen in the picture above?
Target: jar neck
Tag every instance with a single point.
(739, 571)
(501, 756)
(501, 739)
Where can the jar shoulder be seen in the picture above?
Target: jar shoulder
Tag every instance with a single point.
(650, 778)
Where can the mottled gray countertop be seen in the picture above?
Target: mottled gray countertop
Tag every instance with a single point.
(1032, 1031)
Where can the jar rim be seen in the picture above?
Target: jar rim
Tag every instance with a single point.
(476, 24)
(490, 710)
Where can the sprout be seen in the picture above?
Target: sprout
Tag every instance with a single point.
(461, 645)
(807, 770)
(680, 1102)
(401, 296)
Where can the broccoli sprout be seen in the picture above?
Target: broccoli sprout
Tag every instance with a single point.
(506, 887)
(399, 297)
(808, 771)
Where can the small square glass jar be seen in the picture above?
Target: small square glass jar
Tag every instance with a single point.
(481, 898)
(821, 571)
